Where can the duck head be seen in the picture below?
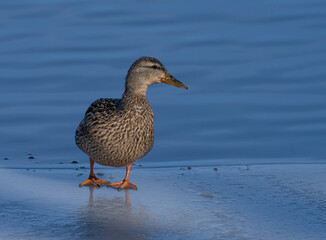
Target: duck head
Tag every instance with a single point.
(146, 71)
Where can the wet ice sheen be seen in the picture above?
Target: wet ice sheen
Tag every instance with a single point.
(262, 202)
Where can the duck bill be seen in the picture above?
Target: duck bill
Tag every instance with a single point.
(169, 79)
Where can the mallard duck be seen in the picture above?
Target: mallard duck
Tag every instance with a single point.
(118, 132)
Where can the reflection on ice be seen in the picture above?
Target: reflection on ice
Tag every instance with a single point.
(111, 218)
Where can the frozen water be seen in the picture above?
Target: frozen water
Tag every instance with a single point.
(237, 202)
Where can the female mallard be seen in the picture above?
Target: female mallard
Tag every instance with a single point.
(118, 132)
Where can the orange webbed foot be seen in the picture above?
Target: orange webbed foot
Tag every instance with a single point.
(93, 180)
(125, 184)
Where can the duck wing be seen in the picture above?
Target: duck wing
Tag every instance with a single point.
(103, 106)
(99, 112)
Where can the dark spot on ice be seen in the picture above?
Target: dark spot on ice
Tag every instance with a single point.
(221, 215)
(76, 168)
(82, 167)
(79, 174)
(206, 195)
(74, 162)
(140, 165)
(31, 157)
(100, 174)
(215, 169)
(5, 158)
(188, 167)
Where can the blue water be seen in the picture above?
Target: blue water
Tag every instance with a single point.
(256, 73)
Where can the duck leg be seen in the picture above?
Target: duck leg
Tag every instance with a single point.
(124, 184)
(92, 179)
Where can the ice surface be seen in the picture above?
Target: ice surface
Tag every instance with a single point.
(236, 202)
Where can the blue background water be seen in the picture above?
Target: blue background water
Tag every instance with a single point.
(255, 69)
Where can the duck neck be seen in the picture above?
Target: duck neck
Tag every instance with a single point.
(135, 85)
(140, 92)
(135, 89)
(133, 95)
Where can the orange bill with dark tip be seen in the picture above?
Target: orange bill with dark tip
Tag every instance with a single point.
(169, 79)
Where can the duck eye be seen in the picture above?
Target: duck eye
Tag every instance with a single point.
(155, 67)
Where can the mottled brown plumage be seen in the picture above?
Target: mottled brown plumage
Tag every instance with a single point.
(118, 132)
